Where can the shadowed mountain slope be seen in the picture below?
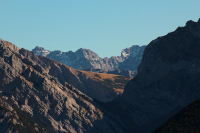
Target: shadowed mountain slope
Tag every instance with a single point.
(168, 77)
(186, 121)
(167, 81)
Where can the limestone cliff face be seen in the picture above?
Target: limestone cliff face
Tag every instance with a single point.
(168, 77)
(26, 86)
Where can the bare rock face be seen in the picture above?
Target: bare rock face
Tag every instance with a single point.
(26, 86)
(133, 57)
(9, 44)
(84, 58)
(168, 77)
(15, 121)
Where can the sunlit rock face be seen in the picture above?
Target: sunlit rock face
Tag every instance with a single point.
(27, 87)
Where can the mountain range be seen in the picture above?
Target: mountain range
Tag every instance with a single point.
(48, 95)
(84, 58)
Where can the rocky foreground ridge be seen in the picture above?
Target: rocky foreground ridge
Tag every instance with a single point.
(27, 88)
(84, 58)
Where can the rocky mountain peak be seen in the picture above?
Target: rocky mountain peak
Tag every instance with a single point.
(194, 27)
(125, 53)
(41, 51)
(37, 48)
(9, 44)
(190, 23)
(87, 53)
(132, 51)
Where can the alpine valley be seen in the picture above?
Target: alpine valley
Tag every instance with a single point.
(52, 93)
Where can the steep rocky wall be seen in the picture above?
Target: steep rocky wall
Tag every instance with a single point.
(168, 76)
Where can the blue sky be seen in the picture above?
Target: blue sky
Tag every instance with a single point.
(104, 26)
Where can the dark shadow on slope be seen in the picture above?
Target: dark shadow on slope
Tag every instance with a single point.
(116, 113)
(186, 121)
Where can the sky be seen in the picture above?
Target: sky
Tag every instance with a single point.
(103, 26)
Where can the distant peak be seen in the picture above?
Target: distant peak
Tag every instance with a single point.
(83, 49)
(40, 51)
(38, 48)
